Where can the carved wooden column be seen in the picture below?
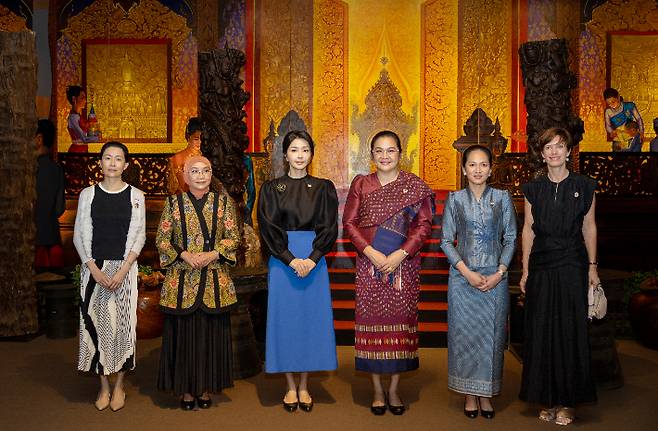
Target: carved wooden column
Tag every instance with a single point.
(548, 84)
(18, 296)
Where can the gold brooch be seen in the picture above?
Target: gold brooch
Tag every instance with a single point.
(280, 187)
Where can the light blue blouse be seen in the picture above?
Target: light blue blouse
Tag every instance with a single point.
(485, 230)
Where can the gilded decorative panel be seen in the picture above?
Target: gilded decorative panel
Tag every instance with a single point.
(485, 76)
(439, 93)
(147, 20)
(612, 16)
(11, 22)
(390, 30)
(285, 50)
(330, 90)
(132, 94)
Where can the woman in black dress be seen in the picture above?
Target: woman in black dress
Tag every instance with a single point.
(559, 264)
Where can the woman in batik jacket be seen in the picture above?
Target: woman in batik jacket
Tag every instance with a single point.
(197, 239)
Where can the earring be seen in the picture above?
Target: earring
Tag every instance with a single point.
(567, 158)
(543, 160)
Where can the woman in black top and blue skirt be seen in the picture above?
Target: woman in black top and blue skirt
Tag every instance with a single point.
(297, 217)
(109, 234)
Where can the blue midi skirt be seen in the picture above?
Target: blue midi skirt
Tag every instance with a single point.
(477, 334)
(300, 325)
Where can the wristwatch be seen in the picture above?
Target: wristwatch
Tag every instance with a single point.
(502, 273)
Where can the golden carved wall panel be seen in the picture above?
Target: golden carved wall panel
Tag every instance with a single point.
(11, 22)
(330, 90)
(285, 50)
(485, 76)
(439, 93)
(614, 15)
(129, 86)
(147, 20)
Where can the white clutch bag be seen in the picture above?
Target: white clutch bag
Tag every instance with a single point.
(598, 303)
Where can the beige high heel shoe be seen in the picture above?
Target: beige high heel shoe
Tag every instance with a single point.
(118, 402)
(102, 401)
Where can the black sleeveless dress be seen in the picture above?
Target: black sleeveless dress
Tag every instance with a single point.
(556, 356)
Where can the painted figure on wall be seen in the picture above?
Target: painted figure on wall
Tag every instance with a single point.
(77, 124)
(616, 116)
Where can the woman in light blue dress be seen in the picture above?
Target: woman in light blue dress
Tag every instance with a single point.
(482, 221)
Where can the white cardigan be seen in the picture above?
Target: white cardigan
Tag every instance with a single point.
(83, 229)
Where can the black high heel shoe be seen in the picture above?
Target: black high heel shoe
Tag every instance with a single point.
(396, 410)
(471, 414)
(379, 410)
(487, 414)
(204, 404)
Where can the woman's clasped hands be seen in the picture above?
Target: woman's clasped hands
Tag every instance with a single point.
(302, 267)
(199, 260)
(482, 282)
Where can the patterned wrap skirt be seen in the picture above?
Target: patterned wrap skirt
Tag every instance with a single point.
(476, 335)
(386, 318)
(108, 321)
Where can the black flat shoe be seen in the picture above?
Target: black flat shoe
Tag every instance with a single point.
(378, 410)
(204, 404)
(290, 407)
(397, 410)
(307, 407)
(187, 405)
(472, 414)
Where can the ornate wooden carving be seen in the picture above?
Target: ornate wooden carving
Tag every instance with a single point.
(221, 107)
(148, 172)
(479, 129)
(383, 111)
(548, 84)
(273, 141)
(18, 74)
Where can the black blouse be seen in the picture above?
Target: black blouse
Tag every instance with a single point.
(110, 216)
(298, 204)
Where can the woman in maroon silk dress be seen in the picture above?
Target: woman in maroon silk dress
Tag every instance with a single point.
(388, 217)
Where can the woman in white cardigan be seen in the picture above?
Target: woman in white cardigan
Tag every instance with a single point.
(109, 235)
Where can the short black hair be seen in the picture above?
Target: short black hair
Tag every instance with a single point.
(194, 124)
(610, 92)
(116, 144)
(386, 134)
(72, 91)
(476, 147)
(46, 129)
(297, 134)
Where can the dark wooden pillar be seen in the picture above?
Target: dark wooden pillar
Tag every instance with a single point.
(18, 90)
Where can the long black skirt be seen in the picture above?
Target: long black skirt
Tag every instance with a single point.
(196, 355)
(556, 356)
